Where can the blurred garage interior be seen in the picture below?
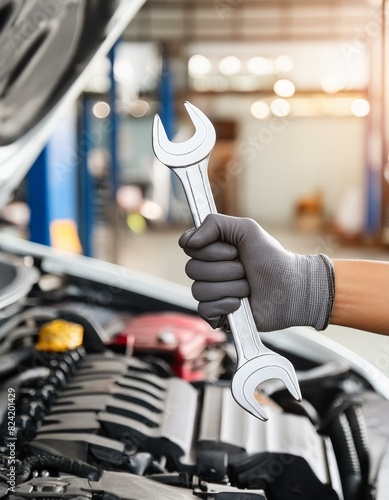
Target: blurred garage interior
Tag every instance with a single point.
(297, 93)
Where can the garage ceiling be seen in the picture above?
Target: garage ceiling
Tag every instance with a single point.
(177, 22)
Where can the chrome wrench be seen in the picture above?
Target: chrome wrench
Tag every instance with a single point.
(255, 362)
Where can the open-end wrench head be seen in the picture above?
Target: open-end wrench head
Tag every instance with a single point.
(194, 150)
(257, 370)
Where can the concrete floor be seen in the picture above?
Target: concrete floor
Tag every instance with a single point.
(156, 252)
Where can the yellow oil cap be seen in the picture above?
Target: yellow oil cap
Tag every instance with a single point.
(59, 336)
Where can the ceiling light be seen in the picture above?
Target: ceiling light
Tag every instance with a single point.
(123, 70)
(260, 66)
(360, 107)
(199, 65)
(101, 109)
(139, 108)
(284, 88)
(284, 63)
(230, 65)
(280, 107)
(151, 210)
(331, 84)
(260, 110)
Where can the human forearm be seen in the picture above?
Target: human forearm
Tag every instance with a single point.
(362, 295)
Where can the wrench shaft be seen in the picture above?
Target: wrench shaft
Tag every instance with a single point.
(194, 180)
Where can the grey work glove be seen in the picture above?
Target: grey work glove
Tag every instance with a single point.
(234, 258)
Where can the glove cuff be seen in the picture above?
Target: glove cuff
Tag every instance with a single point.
(326, 282)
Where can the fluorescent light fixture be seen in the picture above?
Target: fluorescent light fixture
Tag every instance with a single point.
(260, 65)
(139, 108)
(280, 107)
(284, 88)
(123, 70)
(284, 63)
(260, 110)
(360, 107)
(331, 84)
(101, 109)
(151, 210)
(199, 65)
(230, 65)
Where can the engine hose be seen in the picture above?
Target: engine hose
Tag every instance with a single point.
(339, 431)
(36, 313)
(358, 428)
(59, 464)
(10, 362)
(15, 383)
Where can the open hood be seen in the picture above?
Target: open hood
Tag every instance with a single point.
(47, 50)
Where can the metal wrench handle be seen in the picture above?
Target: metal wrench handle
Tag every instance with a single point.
(194, 180)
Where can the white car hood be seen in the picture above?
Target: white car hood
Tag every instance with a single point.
(47, 51)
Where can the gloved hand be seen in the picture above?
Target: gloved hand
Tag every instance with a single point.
(234, 258)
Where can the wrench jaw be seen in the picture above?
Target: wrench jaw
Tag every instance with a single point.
(247, 400)
(190, 152)
(252, 373)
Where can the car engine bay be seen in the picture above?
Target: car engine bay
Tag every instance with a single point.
(127, 398)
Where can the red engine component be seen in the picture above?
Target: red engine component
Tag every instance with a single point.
(187, 341)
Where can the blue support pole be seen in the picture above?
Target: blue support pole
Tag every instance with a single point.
(168, 119)
(52, 188)
(167, 97)
(86, 186)
(38, 200)
(373, 201)
(114, 166)
(114, 125)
